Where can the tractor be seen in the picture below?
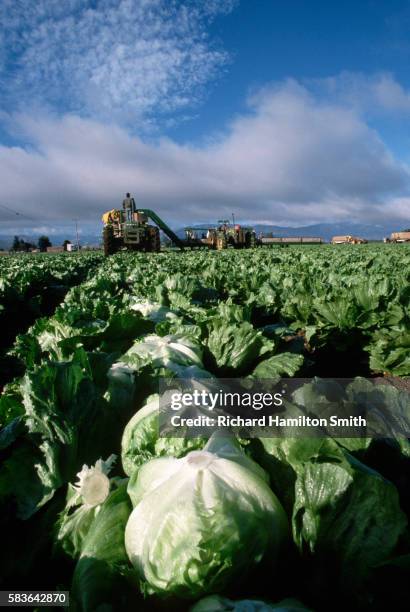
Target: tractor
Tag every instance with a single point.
(222, 236)
(135, 234)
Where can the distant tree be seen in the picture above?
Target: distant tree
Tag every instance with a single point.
(65, 243)
(43, 243)
(21, 245)
(16, 244)
(26, 246)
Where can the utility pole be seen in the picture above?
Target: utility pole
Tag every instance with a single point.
(233, 219)
(76, 232)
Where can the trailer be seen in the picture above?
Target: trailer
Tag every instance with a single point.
(291, 240)
(400, 236)
(55, 249)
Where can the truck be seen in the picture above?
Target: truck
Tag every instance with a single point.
(403, 236)
(348, 240)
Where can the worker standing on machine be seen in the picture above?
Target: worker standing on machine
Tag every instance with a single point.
(128, 205)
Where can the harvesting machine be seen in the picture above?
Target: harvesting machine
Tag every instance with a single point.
(135, 233)
(226, 234)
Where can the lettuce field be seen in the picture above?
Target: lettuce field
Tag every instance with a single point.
(95, 502)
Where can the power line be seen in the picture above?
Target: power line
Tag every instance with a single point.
(15, 212)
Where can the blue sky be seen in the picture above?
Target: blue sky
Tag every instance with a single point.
(282, 111)
(271, 40)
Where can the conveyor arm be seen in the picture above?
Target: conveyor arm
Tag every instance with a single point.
(163, 226)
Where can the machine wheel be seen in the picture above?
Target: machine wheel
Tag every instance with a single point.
(152, 241)
(110, 246)
(250, 241)
(221, 243)
(156, 242)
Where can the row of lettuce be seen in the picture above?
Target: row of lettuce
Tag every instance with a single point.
(349, 306)
(31, 287)
(124, 517)
(24, 277)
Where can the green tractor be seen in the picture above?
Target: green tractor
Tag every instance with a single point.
(135, 233)
(225, 235)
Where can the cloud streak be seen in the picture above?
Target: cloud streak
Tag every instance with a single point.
(292, 157)
(131, 61)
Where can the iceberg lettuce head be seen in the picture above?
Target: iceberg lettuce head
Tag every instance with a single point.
(201, 521)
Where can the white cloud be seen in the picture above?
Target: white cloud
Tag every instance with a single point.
(291, 158)
(373, 94)
(127, 60)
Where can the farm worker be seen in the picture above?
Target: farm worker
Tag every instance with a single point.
(128, 205)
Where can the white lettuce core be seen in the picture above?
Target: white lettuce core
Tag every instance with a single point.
(93, 482)
(200, 460)
(95, 488)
